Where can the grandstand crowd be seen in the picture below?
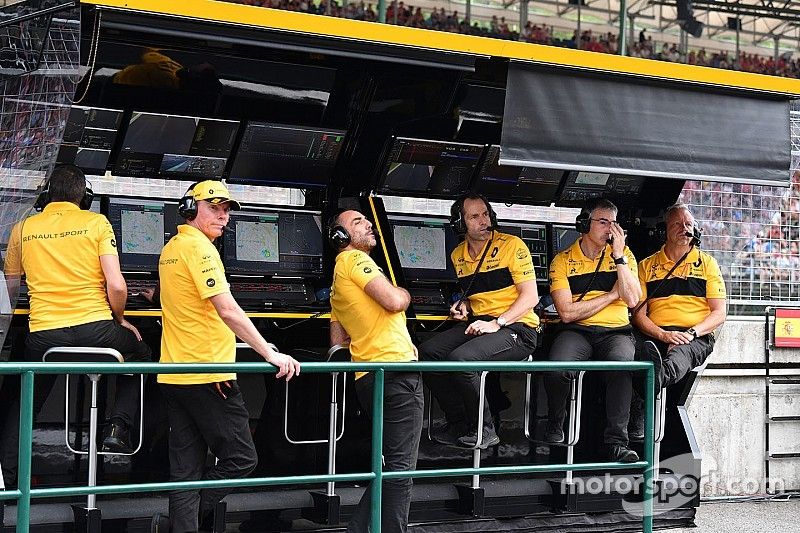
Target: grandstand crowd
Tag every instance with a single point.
(755, 234)
(406, 15)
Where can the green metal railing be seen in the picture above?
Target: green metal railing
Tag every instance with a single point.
(24, 493)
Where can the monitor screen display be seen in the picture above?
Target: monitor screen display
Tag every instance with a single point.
(288, 156)
(535, 238)
(423, 247)
(523, 185)
(173, 146)
(582, 186)
(563, 237)
(273, 243)
(141, 227)
(429, 168)
(89, 137)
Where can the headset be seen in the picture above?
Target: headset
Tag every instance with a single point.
(187, 205)
(660, 232)
(44, 198)
(457, 213)
(338, 237)
(583, 221)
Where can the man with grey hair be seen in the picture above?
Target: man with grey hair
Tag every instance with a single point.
(593, 284)
(683, 301)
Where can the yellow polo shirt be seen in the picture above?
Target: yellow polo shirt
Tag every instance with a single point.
(60, 249)
(376, 335)
(190, 272)
(682, 300)
(572, 270)
(506, 264)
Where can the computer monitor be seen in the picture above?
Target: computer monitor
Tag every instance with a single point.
(423, 247)
(563, 237)
(286, 156)
(172, 146)
(141, 227)
(434, 169)
(89, 136)
(582, 186)
(519, 185)
(535, 238)
(273, 242)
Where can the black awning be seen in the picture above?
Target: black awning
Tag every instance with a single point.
(582, 121)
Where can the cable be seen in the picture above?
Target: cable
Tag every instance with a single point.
(293, 324)
(92, 57)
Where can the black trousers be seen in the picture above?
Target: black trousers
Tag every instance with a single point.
(402, 425)
(678, 361)
(103, 334)
(581, 343)
(458, 393)
(200, 419)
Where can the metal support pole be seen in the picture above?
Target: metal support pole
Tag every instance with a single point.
(578, 38)
(631, 30)
(377, 450)
(334, 415)
(382, 11)
(777, 40)
(25, 443)
(468, 14)
(622, 43)
(523, 17)
(649, 437)
(91, 499)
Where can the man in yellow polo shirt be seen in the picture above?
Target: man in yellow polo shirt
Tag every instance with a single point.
(368, 312)
(678, 314)
(593, 283)
(77, 298)
(495, 314)
(201, 321)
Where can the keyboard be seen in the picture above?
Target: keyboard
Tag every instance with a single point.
(429, 300)
(258, 295)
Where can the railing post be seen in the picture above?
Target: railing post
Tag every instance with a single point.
(649, 442)
(25, 442)
(377, 450)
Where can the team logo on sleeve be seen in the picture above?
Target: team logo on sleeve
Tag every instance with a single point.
(521, 253)
(367, 270)
(210, 282)
(114, 243)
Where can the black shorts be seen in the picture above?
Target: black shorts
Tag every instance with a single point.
(100, 334)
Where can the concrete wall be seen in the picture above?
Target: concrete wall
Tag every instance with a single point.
(728, 415)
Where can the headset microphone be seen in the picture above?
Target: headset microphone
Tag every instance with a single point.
(227, 228)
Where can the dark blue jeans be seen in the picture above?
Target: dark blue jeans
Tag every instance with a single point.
(200, 419)
(402, 425)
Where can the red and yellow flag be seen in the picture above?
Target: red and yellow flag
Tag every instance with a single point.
(787, 328)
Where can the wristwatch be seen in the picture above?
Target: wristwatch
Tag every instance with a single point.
(501, 321)
(621, 260)
(692, 332)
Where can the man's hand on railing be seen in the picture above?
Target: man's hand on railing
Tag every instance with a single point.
(287, 365)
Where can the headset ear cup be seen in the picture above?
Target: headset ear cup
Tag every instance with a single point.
(582, 222)
(338, 237)
(42, 200)
(187, 207)
(88, 198)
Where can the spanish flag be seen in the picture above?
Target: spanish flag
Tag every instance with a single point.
(787, 328)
